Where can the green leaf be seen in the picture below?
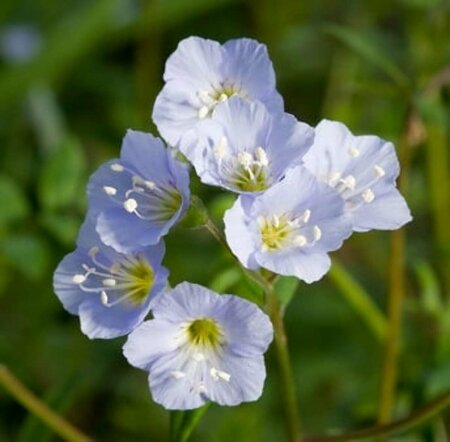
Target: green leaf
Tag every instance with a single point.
(27, 253)
(429, 294)
(13, 202)
(225, 279)
(61, 176)
(370, 52)
(64, 228)
(285, 288)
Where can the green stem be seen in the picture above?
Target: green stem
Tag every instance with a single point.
(36, 406)
(416, 419)
(286, 375)
(359, 299)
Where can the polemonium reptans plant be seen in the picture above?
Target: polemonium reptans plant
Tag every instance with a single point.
(301, 194)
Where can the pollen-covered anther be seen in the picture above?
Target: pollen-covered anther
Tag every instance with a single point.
(104, 298)
(261, 156)
(178, 374)
(219, 374)
(223, 97)
(203, 112)
(109, 190)
(201, 388)
(78, 279)
(116, 167)
(300, 241)
(245, 159)
(306, 215)
(93, 251)
(130, 205)
(115, 268)
(333, 178)
(150, 185)
(349, 181)
(109, 282)
(354, 152)
(379, 171)
(317, 233)
(368, 195)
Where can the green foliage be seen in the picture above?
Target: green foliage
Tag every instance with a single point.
(370, 64)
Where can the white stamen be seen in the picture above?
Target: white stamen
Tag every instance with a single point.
(203, 112)
(221, 148)
(109, 282)
(349, 181)
(104, 298)
(111, 191)
(78, 279)
(177, 374)
(116, 167)
(115, 268)
(202, 389)
(213, 373)
(317, 233)
(223, 97)
(300, 241)
(262, 157)
(224, 375)
(333, 178)
(245, 159)
(150, 185)
(354, 152)
(198, 357)
(305, 217)
(276, 221)
(261, 221)
(93, 251)
(368, 195)
(379, 171)
(130, 205)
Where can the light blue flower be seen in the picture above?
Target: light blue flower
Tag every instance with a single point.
(201, 73)
(363, 169)
(244, 148)
(202, 347)
(136, 200)
(111, 292)
(289, 228)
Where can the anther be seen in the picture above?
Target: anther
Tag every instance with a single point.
(262, 156)
(276, 220)
(130, 205)
(353, 152)
(78, 279)
(224, 375)
(317, 233)
(202, 389)
(333, 178)
(223, 97)
(177, 374)
(111, 191)
(150, 185)
(115, 268)
(104, 298)
(306, 215)
(300, 241)
(245, 159)
(379, 171)
(116, 167)
(368, 196)
(203, 112)
(109, 282)
(349, 181)
(93, 251)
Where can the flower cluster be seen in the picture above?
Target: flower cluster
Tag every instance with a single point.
(301, 191)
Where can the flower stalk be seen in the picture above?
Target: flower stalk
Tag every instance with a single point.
(33, 404)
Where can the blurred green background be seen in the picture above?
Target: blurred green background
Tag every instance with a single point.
(76, 74)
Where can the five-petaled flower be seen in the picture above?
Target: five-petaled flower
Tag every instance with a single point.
(244, 148)
(289, 228)
(363, 169)
(202, 73)
(202, 347)
(110, 291)
(136, 200)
